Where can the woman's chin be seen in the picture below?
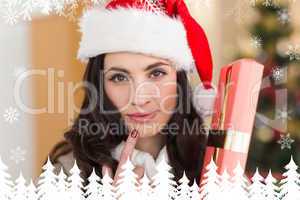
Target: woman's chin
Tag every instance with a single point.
(147, 134)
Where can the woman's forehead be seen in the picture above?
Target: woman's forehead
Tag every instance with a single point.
(132, 61)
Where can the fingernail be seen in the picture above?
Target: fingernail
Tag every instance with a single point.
(134, 133)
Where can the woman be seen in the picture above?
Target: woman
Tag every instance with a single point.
(137, 76)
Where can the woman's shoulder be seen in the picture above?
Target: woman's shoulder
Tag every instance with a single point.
(65, 162)
(62, 157)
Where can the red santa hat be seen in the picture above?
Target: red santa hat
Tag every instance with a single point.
(162, 28)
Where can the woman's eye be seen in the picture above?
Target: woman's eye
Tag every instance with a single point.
(157, 73)
(117, 78)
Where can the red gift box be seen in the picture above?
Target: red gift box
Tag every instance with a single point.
(234, 114)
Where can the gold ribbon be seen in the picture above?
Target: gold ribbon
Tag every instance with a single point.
(230, 140)
(237, 141)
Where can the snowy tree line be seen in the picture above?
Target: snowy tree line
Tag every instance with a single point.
(214, 186)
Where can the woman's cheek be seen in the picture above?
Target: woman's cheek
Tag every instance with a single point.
(168, 98)
(119, 95)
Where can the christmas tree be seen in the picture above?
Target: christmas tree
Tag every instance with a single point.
(108, 190)
(290, 185)
(145, 190)
(183, 188)
(76, 184)
(210, 185)
(271, 187)
(47, 182)
(20, 189)
(5, 182)
(257, 188)
(127, 183)
(239, 187)
(94, 188)
(277, 123)
(163, 182)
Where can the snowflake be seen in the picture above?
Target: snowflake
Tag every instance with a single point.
(293, 52)
(71, 10)
(283, 114)
(17, 155)
(267, 3)
(15, 9)
(46, 7)
(277, 73)
(11, 16)
(256, 42)
(11, 115)
(283, 16)
(285, 141)
(58, 6)
(27, 9)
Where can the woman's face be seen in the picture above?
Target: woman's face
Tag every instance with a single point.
(137, 83)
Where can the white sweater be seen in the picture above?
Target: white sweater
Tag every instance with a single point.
(138, 157)
(143, 159)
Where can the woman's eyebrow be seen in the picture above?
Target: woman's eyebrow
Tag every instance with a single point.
(149, 67)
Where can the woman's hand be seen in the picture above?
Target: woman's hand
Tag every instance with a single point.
(126, 153)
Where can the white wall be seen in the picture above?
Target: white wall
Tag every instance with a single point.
(15, 54)
(207, 14)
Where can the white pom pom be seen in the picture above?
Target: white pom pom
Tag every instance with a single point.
(203, 100)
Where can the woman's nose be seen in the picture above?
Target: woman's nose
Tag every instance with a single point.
(142, 93)
(140, 98)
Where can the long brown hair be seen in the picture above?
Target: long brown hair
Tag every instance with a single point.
(185, 146)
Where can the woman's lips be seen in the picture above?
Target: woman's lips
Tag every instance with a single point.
(142, 118)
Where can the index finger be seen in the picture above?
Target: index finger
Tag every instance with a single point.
(127, 151)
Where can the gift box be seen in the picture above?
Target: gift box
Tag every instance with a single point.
(233, 117)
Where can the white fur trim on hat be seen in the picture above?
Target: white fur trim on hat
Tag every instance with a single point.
(134, 30)
(203, 100)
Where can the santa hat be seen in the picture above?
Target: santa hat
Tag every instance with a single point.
(162, 28)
